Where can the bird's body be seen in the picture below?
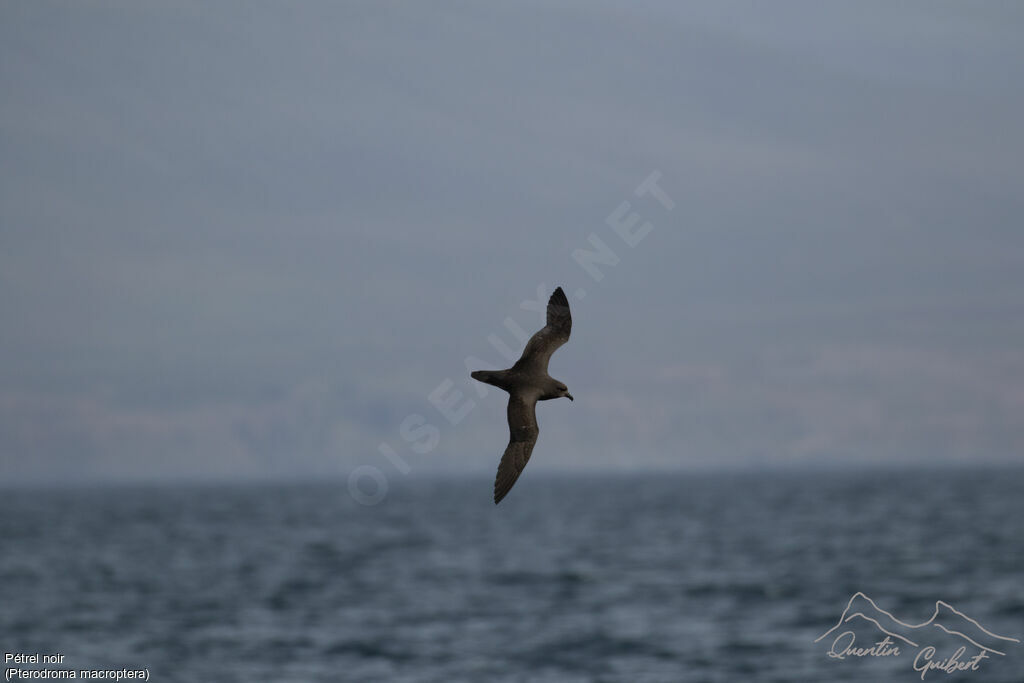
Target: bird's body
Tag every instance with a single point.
(527, 382)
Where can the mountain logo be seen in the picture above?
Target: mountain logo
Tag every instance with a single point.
(947, 625)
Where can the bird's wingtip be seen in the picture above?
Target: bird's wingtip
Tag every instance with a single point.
(500, 492)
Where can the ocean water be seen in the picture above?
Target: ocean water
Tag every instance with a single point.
(706, 577)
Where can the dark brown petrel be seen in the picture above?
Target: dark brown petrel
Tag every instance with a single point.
(527, 382)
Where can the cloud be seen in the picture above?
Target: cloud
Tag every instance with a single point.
(236, 240)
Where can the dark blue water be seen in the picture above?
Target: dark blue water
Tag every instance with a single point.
(656, 578)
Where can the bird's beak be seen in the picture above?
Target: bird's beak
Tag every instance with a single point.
(568, 395)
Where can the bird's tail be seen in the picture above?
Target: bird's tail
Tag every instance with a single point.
(493, 377)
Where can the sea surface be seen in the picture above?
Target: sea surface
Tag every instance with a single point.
(700, 577)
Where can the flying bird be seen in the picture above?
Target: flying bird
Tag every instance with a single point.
(527, 382)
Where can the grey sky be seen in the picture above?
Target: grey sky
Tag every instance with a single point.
(249, 239)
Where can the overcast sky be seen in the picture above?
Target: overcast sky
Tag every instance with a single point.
(251, 239)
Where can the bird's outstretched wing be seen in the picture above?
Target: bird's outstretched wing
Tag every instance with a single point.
(544, 343)
(522, 428)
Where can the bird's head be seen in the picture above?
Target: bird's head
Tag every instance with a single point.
(563, 391)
